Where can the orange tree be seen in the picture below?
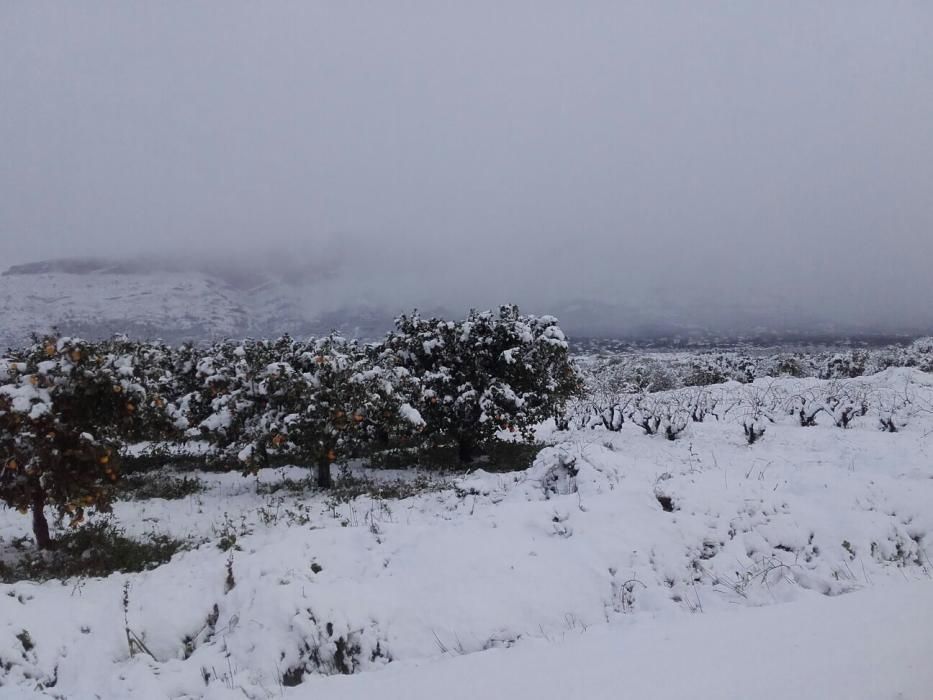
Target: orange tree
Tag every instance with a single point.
(225, 401)
(484, 374)
(334, 400)
(66, 407)
(316, 401)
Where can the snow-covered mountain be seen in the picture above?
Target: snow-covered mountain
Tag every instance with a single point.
(170, 300)
(181, 299)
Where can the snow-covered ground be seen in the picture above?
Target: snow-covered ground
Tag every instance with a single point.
(872, 645)
(618, 565)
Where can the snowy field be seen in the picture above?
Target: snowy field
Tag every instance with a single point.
(619, 565)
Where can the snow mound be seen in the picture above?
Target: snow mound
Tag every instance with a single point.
(562, 470)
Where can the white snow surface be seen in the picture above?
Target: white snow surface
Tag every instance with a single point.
(872, 645)
(795, 567)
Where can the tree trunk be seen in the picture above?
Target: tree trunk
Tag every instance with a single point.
(40, 526)
(323, 473)
(465, 449)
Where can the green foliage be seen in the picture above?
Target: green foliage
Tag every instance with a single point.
(98, 548)
(228, 533)
(141, 487)
(348, 487)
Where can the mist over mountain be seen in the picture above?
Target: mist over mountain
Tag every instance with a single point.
(634, 168)
(180, 299)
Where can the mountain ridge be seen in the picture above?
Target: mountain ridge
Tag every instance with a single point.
(177, 300)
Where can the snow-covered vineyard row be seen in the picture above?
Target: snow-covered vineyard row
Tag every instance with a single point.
(614, 540)
(625, 372)
(889, 400)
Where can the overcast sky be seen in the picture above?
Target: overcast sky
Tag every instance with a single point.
(524, 150)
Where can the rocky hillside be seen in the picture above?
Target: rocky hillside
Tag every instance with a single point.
(168, 300)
